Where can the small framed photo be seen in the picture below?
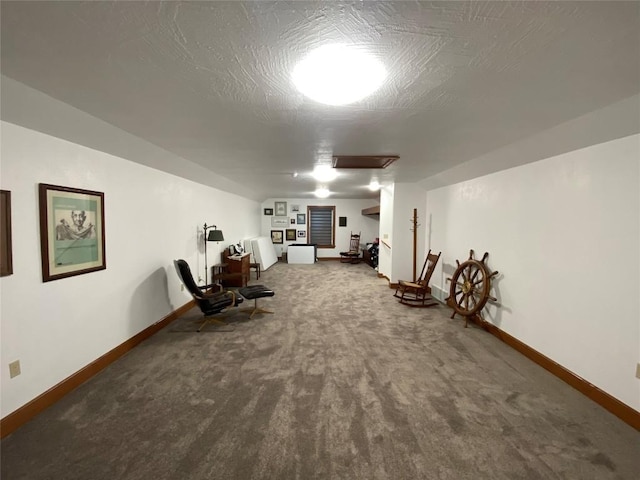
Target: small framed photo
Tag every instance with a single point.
(279, 222)
(342, 221)
(295, 208)
(6, 260)
(71, 231)
(276, 236)
(280, 208)
(302, 233)
(302, 219)
(291, 233)
(293, 221)
(268, 211)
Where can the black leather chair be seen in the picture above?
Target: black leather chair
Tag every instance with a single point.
(210, 303)
(254, 292)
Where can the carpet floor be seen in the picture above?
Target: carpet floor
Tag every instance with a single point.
(341, 382)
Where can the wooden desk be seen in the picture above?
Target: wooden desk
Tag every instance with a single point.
(237, 270)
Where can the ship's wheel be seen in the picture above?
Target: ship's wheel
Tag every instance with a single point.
(470, 287)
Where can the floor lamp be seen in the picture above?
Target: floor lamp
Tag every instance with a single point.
(214, 235)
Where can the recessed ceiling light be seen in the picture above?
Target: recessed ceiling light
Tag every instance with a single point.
(324, 173)
(374, 186)
(338, 74)
(322, 192)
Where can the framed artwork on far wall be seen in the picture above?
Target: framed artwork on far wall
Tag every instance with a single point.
(302, 233)
(279, 222)
(268, 211)
(276, 236)
(342, 221)
(302, 218)
(291, 233)
(72, 239)
(280, 208)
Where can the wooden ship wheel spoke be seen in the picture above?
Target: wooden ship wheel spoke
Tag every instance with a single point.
(470, 287)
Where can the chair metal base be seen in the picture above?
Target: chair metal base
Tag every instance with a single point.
(255, 309)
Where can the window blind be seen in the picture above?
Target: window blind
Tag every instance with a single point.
(321, 226)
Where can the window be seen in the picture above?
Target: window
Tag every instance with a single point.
(321, 226)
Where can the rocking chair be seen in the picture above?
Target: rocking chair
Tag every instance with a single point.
(353, 254)
(417, 294)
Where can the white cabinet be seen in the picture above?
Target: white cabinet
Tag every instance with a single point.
(301, 253)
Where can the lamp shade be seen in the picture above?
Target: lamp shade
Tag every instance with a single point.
(215, 236)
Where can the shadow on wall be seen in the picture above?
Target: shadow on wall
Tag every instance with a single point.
(150, 301)
(498, 307)
(447, 272)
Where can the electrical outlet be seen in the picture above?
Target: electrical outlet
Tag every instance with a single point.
(638, 370)
(14, 369)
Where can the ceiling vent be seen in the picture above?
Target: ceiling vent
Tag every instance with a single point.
(363, 161)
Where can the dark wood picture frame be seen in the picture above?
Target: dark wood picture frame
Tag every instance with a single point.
(302, 218)
(291, 234)
(268, 211)
(72, 234)
(6, 251)
(276, 236)
(342, 221)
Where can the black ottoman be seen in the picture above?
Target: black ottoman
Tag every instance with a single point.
(254, 292)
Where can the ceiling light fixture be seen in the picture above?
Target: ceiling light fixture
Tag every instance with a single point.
(324, 173)
(322, 192)
(338, 74)
(374, 186)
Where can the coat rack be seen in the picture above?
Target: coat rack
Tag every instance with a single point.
(414, 229)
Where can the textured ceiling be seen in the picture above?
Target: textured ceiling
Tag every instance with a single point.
(209, 81)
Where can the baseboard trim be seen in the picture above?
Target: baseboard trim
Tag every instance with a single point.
(28, 411)
(391, 285)
(621, 410)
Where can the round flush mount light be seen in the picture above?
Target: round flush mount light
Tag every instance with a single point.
(322, 192)
(324, 173)
(374, 186)
(338, 74)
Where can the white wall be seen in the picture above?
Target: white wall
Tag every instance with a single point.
(406, 197)
(352, 209)
(385, 250)
(564, 233)
(57, 328)
(395, 256)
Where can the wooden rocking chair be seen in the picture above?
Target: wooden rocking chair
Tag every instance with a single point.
(418, 293)
(353, 254)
